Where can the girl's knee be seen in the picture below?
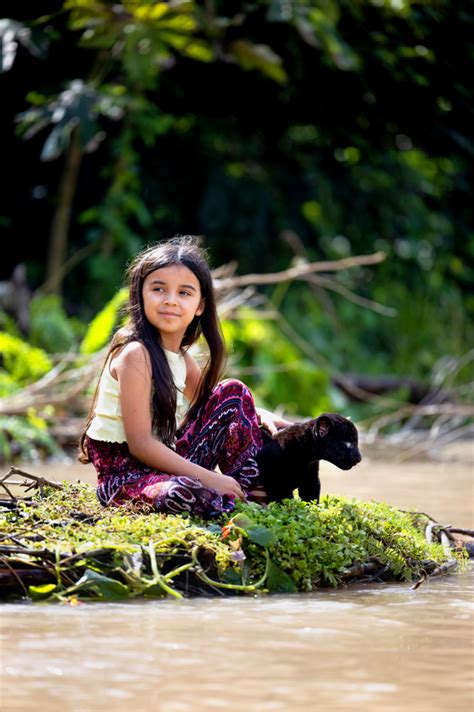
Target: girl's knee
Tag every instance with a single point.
(233, 387)
(179, 494)
(186, 494)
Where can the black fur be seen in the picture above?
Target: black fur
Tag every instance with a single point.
(290, 460)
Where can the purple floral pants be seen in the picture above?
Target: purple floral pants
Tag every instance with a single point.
(225, 433)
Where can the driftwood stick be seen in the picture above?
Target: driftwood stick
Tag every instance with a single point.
(422, 447)
(38, 481)
(299, 270)
(334, 286)
(10, 494)
(9, 537)
(57, 387)
(93, 554)
(433, 409)
(457, 530)
(361, 569)
(21, 577)
(34, 553)
(13, 573)
(439, 571)
(444, 568)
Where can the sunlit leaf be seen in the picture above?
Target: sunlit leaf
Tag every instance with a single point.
(278, 581)
(104, 586)
(102, 325)
(260, 57)
(12, 34)
(243, 521)
(150, 12)
(23, 362)
(55, 143)
(38, 593)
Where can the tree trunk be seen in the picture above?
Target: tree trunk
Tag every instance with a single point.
(58, 239)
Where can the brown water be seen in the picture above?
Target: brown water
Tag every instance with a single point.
(378, 647)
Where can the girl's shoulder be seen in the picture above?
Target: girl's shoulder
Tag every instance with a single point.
(133, 354)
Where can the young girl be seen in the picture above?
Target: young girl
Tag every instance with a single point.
(159, 425)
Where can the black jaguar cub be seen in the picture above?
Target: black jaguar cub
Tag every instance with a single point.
(290, 459)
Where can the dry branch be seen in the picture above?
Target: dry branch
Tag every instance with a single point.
(334, 286)
(298, 271)
(57, 388)
(35, 482)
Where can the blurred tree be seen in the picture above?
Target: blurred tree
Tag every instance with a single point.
(347, 123)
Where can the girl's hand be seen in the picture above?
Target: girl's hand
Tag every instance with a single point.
(223, 484)
(270, 421)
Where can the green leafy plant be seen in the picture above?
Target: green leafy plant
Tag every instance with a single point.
(89, 552)
(24, 438)
(50, 327)
(317, 544)
(20, 361)
(101, 327)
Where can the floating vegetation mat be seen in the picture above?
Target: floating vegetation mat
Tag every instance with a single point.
(61, 545)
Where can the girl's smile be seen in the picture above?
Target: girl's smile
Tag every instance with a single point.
(172, 298)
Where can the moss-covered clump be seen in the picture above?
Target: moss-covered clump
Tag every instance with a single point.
(62, 545)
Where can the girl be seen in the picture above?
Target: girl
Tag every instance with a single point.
(159, 425)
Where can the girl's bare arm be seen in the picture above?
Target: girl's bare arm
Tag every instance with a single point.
(133, 371)
(193, 377)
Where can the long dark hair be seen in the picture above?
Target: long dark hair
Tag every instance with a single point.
(184, 251)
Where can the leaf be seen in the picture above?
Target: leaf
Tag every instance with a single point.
(37, 593)
(243, 521)
(214, 528)
(154, 591)
(278, 581)
(11, 35)
(199, 51)
(103, 585)
(55, 143)
(231, 576)
(261, 57)
(262, 536)
(8, 43)
(134, 562)
(103, 324)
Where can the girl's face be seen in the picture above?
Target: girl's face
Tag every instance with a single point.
(172, 298)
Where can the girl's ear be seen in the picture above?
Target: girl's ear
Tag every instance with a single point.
(201, 307)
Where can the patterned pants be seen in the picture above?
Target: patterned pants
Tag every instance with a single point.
(225, 433)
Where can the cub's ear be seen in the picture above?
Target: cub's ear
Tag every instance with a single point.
(322, 426)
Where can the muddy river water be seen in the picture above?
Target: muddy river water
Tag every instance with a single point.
(374, 647)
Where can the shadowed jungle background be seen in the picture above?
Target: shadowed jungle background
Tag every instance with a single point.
(282, 132)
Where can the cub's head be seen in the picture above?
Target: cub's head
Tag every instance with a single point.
(335, 439)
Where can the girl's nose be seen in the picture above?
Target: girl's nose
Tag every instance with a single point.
(170, 299)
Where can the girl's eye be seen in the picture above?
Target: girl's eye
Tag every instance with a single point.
(185, 293)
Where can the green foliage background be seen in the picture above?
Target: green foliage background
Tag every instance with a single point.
(341, 127)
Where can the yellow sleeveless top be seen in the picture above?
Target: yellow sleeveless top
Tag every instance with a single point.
(107, 423)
